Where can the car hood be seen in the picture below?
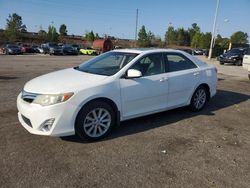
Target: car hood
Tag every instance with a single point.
(67, 80)
(13, 48)
(227, 55)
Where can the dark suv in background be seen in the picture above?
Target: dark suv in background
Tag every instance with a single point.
(233, 56)
(52, 49)
(12, 49)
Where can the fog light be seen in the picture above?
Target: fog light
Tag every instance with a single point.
(46, 125)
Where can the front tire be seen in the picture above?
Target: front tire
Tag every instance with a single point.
(238, 62)
(95, 121)
(199, 99)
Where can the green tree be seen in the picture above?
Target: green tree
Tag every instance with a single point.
(42, 35)
(170, 36)
(143, 39)
(14, 27)
(223, 42)
(239, 37)
(205, 40)
(63, 30)
(89, 36)
(180, 36)
(97, 36)
(195, 43)
(52, 35)
(193, 30)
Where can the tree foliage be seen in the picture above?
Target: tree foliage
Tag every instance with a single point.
(170, 36)
(97, 36)
(52, 35)
(239, 37)
(143, 37)
(193, 30)
(90, 36)
(14, 27)
(63, 30)
(42, 35)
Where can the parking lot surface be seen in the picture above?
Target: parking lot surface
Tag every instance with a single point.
(177, 148)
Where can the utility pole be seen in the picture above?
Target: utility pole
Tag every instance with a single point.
(136, 24)
(214, 27)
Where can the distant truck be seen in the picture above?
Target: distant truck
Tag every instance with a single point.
(102, 45)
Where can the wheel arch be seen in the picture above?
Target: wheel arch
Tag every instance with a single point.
(206, 86)
(106, 100)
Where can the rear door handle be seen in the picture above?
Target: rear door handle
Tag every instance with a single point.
(163, 79)
(196, 73)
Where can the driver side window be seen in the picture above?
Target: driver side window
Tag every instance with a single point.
(150, 65)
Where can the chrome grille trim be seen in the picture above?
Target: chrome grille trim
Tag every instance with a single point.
(28, 97)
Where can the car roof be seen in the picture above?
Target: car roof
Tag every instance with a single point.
(145, 50)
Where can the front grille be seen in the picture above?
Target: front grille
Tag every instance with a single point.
(28, 97)
(26, 120)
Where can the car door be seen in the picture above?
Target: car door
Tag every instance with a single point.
(246, 60)
(148, 93)
(183, 77)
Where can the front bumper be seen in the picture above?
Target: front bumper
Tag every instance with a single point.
(32, 116)
(225, 60)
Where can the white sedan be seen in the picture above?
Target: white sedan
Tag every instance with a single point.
(92, 98)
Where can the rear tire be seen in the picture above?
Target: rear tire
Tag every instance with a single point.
(95, 121)
(221, 63)
(199, 99)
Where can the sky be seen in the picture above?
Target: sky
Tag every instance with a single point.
(118, 17)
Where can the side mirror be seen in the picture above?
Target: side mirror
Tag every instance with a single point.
(133, 73)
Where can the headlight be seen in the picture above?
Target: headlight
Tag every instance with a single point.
(49, 99)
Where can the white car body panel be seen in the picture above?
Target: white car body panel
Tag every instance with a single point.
(143, 95)
(132, 97)
(246, 62)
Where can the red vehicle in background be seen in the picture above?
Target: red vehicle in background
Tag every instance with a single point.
(26, 48)
(102, 45)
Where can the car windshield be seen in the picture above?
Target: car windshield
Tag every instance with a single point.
(12, 46)
(235, 51)
(108, 63)
(68, 48)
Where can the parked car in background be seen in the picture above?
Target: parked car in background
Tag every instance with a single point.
(190, 51)
(233, 56)
(246, 61)
(52, 49)
(12, 49)
(26, 48)
(56, 50)
(76, 47)
(37, 49)
(92, 98)
(69, 50)
(88, 51)
(198, 51)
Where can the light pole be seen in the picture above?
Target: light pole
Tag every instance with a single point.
(214, 27)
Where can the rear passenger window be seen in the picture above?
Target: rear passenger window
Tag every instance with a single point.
(178, 62)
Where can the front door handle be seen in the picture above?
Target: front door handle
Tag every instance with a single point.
(163, 79)
(196, 73)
